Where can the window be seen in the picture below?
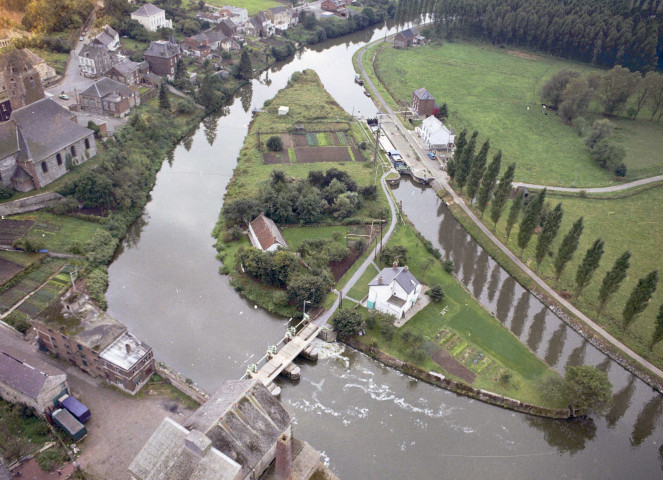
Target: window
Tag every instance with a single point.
(0, 177)
(58, 157)
(33, 84)
(73, 151)
(87, 143)
(44, 167)
(79, 346)
(84, 363)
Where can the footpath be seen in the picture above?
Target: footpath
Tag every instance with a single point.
(401, 135)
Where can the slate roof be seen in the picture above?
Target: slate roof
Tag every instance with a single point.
(106, 86)
(23, 372)
(45, 127)
(423, 94)
(267, 232)
(93, 49)
(147, 10)
(125, 67)
(409, 33)
(401, 275)
(107, 35)
(8, 138)
(243, 420)
(162, 48)
(166, 456)
(282, 9)
(19, 57)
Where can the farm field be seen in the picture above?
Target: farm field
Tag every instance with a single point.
(624, 223)
(496, 92)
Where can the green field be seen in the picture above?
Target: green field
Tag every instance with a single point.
(475, 330)
(253, 6)
(296, 235)
(624, 223)
(360, 289)
(496, 92)
(59, 233)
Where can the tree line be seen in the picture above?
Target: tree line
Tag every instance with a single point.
(601, 32)
(468, 171)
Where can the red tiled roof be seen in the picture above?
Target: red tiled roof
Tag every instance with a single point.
(267, 232)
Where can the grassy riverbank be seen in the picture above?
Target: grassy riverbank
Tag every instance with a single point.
(496, 92)
(459, 337)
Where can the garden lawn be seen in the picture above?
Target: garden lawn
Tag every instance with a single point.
(489, 90)
(625, 223)
(59, 233)
(463, 315)
(360, 289)
(296, 235)
(253, 6)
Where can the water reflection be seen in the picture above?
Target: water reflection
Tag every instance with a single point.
(556, 345)
(209, 127)
(647, 420)
(565, 435)
(577, 356)
(520, 314)
(536, 329)
(505, 299)
(481, 273)
(494, 282)
(245, 94)
(620, 403)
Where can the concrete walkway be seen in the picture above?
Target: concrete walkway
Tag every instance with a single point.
(614, 188)
(442, 180)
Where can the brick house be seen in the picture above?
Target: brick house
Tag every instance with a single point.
(38, 141)
(162, 56)
(227, 27)
(337, 7)
(423, 103)
(108, 97)
(20, 81)
(127, 72)
(99, 344)
(26, 379)
(406, 38)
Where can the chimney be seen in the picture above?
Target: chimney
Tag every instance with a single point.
(128, 347)
(284, 458)
(197, 443)
(395, 264)
(406, 268)
(380, 280)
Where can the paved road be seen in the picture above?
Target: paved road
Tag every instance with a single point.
(442, 179)
(614, 188)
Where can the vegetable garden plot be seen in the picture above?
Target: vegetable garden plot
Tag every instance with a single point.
(11, 230)
(323, 154)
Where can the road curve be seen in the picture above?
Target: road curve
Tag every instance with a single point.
(440, 178)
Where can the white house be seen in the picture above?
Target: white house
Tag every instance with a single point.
(239, 13)
(109, 38)
(151, 17)
(394, 290)
(435, 135)
(284, 110)
(265, 235)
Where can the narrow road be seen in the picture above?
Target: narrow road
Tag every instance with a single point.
(440, 177)
(614, 188)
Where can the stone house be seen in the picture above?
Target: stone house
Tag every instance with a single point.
(423, 103)
(109, 38)
(435, 134)
(127, 72)
(151, 17)
(394, 290)
(239, 15)
(162, 56)
(265, 235)
(26, 379)
(227, 27)
(108, 97)
(38, 141)
(406, 38)
(99, 345)
(262, 25)
(280, 17)
(94, 59)
(20, 81)
(337, 7)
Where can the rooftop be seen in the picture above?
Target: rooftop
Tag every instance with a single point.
(147, 10)
(105, 86)
(401, 275)
(267, 232)
(126, 351)
(409, 33)
(423, 94)
(25, 373)
(162, 48)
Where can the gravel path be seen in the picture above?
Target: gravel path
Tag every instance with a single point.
(614, 188)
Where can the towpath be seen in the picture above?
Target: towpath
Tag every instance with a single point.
(441, 179)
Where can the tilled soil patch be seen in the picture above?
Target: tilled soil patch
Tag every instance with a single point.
(453, 366)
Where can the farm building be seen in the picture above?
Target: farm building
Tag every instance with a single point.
(265, 235)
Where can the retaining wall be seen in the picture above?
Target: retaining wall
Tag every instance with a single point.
(29, 204)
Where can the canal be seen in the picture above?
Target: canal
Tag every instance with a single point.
(369, 421)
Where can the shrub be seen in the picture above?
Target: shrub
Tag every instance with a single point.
(97, 283)
(6, 192)
(22, 325)
(186, 106)
(275, 144)
(448, 266)
(436, 294)
(347, 322)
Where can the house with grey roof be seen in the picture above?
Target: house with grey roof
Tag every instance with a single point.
(394, 290)
(38, 142)
(406, 38)
(151, 17)
(127, 72)
(108, 97)
(162, 57)
(94, 59)
(423, 103)
(109, 38)
(26, 379)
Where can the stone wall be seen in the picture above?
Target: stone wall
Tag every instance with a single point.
(7, 167)
(29, 204)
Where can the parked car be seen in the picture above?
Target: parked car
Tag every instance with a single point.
(63, 96)
(432, 156)
(76, 408)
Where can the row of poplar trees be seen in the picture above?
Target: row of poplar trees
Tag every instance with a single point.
(479, 181)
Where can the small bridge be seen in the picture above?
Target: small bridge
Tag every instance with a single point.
(296, 342)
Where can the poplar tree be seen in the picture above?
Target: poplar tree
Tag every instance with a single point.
(568, 247)
(589, 265)
(164, 103)
(613, 279)
(502, 193)
(516, 206)
(657, 336)
(639, 299)
(461, 141)
(465, 161)
(245, 70)
(488, 182)
(548, 233)
(531, 219)
(477, 169)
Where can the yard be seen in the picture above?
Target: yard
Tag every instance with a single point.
(497, 93)
(625, 223)
(460, 334)
(58, 233)
(253, 6)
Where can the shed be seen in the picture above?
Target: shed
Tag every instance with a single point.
(283, 110)
(69, 424)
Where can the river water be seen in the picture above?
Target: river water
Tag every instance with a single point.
(369, 421)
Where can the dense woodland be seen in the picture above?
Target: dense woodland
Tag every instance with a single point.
(601, 32)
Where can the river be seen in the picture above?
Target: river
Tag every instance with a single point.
(370, 422)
